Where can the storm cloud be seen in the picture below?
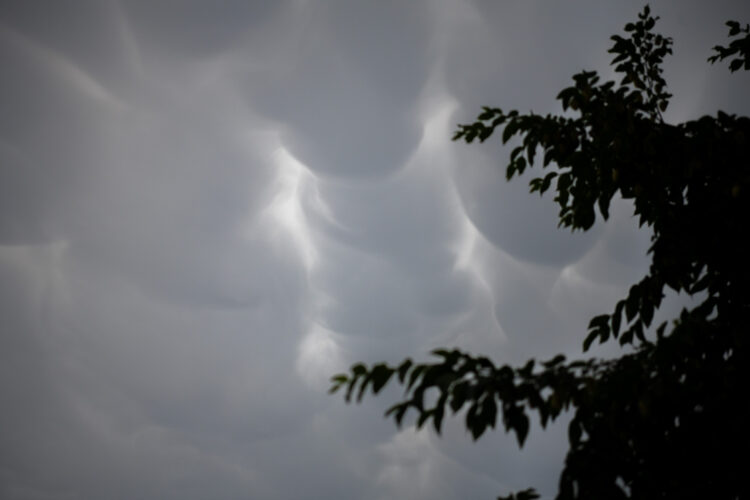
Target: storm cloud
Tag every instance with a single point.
(209, 208)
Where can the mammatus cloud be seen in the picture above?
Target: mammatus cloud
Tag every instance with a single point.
(207, 210)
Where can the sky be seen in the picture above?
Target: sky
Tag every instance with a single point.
(209, 208)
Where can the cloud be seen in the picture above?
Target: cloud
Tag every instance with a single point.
(207, 211)
(343, 93)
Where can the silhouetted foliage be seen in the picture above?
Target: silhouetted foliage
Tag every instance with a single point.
(738, 46)
(668, 419)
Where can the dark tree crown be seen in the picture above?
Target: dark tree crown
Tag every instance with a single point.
(668, 419)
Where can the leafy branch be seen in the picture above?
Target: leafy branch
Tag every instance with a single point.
(740, 46)
(674, 407)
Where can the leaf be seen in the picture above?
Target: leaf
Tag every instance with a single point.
(527, 494)
(363, 386)
(439, 411)
(734, 27)
(381, 373)
(510, 171)
(486, 115)
(638, 331)
(415, 373)
(443, 353)
(647, 313)
(589, 340)
(510, 129)
(398, 411)
(473, 422)
(337, 381)
(520, 164)
(616, 317)
(458, 396)
(527, 369)
(599, 321)
(403, 369)
(547, 181)
(358, 369)
(554, 361)
(350, 388)
(489, 410)
(430, 375)
(521, 428)
(423, 417)
(631, 303)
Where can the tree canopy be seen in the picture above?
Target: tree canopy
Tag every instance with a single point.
(669, 417)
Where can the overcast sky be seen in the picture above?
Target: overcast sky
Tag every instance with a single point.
(209, 208)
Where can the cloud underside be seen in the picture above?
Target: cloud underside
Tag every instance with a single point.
(207, 211)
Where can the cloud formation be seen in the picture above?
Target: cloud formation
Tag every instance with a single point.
(208, 209)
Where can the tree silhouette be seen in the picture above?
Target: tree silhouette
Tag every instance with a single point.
(668, 418)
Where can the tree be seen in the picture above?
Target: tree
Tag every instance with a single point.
(669, 417)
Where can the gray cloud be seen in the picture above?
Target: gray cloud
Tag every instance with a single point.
(344, 84)
(207, 211)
